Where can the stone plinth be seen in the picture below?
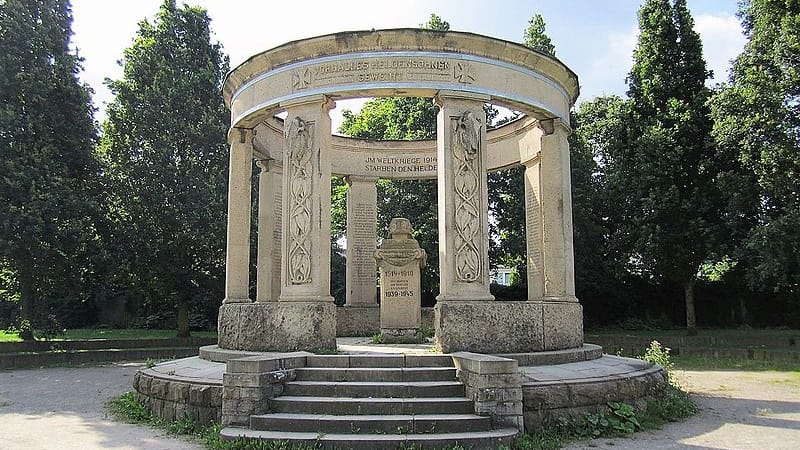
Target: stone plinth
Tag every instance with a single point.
(277, 326)
(508, 327)
(400, 259)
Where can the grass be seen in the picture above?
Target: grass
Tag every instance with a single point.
(713, 332)
(102, 333)
(738, 364)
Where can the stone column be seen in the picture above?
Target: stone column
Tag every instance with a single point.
(531, 158)
(269, 231)
(362, 217)
(305, 275)
(463, 199)
(237, 255)
(556, 207)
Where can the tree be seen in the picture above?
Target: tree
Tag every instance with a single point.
(664, 181)
(165, 156)
(536, 37)
(757, 119)
(48, 168)
(600, 131)
(436, 23)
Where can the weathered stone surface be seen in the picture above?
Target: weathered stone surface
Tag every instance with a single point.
(483, 364)
(400, 260)
(563, 325)
(277, 326)
(358, 320)
(489, 326)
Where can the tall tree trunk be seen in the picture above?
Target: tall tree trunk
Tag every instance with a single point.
(742, 311)
(688, 296)
(183, 318)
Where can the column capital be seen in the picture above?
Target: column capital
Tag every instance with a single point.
(552, 125)
(350, 179)
(325, 102)
(237, 135)
(266, 164)
(444, 96)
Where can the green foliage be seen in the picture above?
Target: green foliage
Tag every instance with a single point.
(128, 408)
(670, 404)
(436, 23)
(658, 354)
(536, 37)
(48, 188)
(756, 119)
(169, 173)
(663, 179)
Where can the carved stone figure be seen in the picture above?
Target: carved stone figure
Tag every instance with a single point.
(299, 137)
(466, 151)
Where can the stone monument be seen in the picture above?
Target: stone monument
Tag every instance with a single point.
(400, 259)
(280, 101)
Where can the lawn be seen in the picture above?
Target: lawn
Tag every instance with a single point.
(715, 332)
(92, 333)
(734, 364)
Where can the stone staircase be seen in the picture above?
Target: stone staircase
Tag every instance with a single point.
(375, 402)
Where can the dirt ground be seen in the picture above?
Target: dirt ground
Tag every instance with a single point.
(64, 408)
(738, 410)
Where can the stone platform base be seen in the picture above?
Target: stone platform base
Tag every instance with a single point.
(575, 389)
(277, 326)
(189, 387)
(508, 327)
(565, 383)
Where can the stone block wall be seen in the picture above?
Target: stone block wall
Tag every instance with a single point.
(494, 385)
(173, 399)
(546, 402)
(250, 382)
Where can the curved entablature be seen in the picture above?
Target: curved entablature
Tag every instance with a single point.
(409, 160)
(405, 62)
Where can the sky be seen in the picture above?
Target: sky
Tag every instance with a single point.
(594, 38)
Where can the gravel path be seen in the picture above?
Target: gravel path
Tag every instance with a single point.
(64, 408)
(738, 410)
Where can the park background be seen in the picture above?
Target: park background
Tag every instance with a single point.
(685, 186)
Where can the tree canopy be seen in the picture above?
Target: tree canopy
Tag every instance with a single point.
(47, 186)
(664, 178)
(757, 118)
(165, 155)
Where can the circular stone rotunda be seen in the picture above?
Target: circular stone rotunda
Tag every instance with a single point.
(501, 367)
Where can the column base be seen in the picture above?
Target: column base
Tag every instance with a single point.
(508, 327)
(358, 320)
(277, 326)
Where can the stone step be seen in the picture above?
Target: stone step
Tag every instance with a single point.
(342, 374)
(356, 424)
(473, 440)
(386, 360)
(369, 406)
(366, 389)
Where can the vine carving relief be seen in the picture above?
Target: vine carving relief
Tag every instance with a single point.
(465, 146)
(300, 137)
